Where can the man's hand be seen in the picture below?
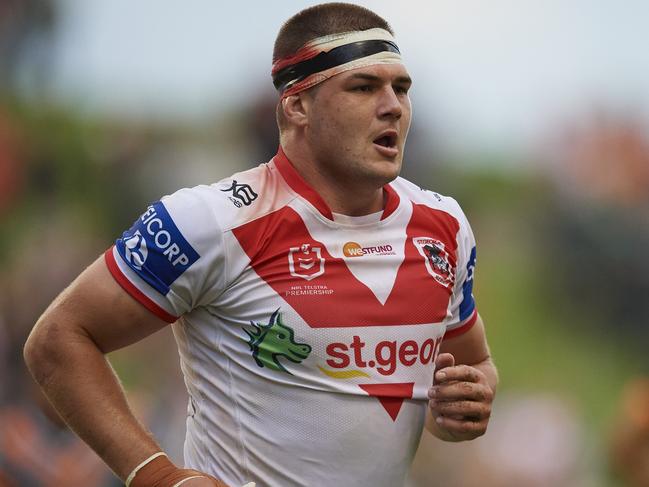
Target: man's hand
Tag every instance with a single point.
(203, 482)
(206, 482)
(160, 472)
(460, 400)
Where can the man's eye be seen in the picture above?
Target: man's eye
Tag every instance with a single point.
(363, 88)
(401, 90)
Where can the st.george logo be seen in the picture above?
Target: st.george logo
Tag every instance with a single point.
(437, 259)
(306, 261)
(242, 194)
(136, 250)
(270, 342)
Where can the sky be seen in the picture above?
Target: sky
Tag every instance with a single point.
(486, 73)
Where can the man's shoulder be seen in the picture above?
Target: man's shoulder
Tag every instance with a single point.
(423, 196)
(232, 201)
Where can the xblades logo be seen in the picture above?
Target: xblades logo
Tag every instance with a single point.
(242, 194)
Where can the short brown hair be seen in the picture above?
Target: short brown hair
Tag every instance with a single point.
(321, 20)
(317, 21)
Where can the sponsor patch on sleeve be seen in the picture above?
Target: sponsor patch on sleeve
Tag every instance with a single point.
(468, 303)
(155, 249)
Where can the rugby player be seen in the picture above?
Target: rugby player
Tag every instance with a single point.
(313, 297)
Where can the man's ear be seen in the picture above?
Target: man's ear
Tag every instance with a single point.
(296, 109)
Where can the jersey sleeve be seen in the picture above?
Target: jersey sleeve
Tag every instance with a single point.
(171, 260)
(462, 307)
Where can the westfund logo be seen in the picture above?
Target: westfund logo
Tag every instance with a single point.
(354, 249)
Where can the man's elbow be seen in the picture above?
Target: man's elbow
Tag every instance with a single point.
(44, 349)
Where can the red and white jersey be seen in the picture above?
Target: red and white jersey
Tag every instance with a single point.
(307, 339)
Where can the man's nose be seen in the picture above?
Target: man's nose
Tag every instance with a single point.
(389, 104)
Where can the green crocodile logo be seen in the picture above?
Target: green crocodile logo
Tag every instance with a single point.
(274, 340)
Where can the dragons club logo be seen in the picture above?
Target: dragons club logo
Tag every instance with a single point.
(242, 194)
(136, 250)
(306, 261)
(270, 342)
(436, 259)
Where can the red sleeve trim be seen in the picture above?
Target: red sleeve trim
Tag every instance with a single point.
(134, 292)
(464, 328)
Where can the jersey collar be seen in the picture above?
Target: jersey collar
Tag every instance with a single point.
(300, 186)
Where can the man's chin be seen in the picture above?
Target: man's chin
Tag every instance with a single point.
(385, 171)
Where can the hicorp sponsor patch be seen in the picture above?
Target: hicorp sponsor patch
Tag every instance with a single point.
(155, 249)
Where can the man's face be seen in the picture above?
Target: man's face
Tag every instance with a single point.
(358, 122)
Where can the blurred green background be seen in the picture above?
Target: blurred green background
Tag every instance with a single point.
(533, 117)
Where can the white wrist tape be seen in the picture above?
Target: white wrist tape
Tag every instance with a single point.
(188, 478)
(132, 475)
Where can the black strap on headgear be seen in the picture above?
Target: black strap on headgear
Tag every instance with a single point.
(327, 60)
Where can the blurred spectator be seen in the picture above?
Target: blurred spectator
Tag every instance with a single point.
(36, 447)
(11, 165)
(5, 375)
(604, 159)
(598, 228)
(38, 450)
(630, 439)
(262, 127)
(535, 440)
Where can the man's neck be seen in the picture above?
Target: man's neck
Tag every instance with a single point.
(344, 197)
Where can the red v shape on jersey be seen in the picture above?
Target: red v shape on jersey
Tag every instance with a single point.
(416, 297)
(390, 396)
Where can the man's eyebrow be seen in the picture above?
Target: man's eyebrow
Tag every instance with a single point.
(404, 79)
(371, 77)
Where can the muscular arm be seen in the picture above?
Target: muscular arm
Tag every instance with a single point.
(65, 353)
(464, 387)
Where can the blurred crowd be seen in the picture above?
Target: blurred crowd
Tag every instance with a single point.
(562, 283)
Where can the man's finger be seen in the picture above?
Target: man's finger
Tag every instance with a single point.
(468, 410)
(462, 429)
(444, 360)
(461, 391)
(464, 373)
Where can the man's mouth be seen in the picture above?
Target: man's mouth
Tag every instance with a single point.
(387, 140)
(386, 143)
